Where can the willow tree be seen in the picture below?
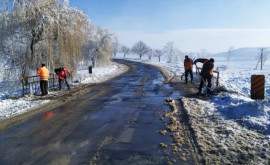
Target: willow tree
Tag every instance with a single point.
(171, 51)
(105, 42)
(38, 31)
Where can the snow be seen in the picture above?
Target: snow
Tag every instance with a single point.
(222, 140)
(231, 128)
(10, 107)
(254, 113)
(225, 124)
(236, 76)
(100, 74)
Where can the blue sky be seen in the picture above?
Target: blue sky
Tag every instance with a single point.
(157, 17)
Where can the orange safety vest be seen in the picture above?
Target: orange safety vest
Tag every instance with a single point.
(63, 73)
(211, 71)
(43, 73)
(188, 65)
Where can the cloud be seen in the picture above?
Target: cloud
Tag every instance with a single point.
(193, 40)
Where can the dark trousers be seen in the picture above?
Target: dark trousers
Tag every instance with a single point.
(60, 82)
(44, 87)
(188, 72)
(205, 78)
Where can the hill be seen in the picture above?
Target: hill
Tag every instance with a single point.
(250, 54)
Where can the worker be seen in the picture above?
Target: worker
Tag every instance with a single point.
(206, 73)
(62, 75)
(188, 63)
(43, 73)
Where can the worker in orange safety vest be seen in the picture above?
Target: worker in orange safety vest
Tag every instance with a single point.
(188, 65)
(62, 75)
(43, 73)
(206, 73)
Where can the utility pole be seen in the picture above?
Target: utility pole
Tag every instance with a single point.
(262, 57)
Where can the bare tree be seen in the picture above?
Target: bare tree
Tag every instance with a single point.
(158, 53)
(140, 48)
(172, 52)
(203, 54)
(125, 50)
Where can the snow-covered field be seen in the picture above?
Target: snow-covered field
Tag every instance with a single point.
(9, 107)
(236, 76)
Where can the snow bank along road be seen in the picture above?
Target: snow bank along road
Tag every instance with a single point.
(219, 140)
(122, 121)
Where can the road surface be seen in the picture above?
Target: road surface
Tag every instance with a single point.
(117, 122)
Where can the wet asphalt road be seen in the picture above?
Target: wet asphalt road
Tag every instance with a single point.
(116, 123)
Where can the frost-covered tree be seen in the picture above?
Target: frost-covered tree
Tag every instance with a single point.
(99, 49)
(125, 50)
(172, 52)
(140, 48)
(105, 41)
(89, 54)
(38, 31)
(158, 53)
(203, 54)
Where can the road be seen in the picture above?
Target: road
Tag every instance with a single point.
(117, 122)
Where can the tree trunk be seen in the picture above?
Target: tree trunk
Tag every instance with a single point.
(32, 48)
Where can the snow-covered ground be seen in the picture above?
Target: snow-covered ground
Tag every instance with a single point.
(9, 107)
(236, 76)
(100, 74)
(235, 110)
(254, 114)
(222, 140)
(231, 128)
